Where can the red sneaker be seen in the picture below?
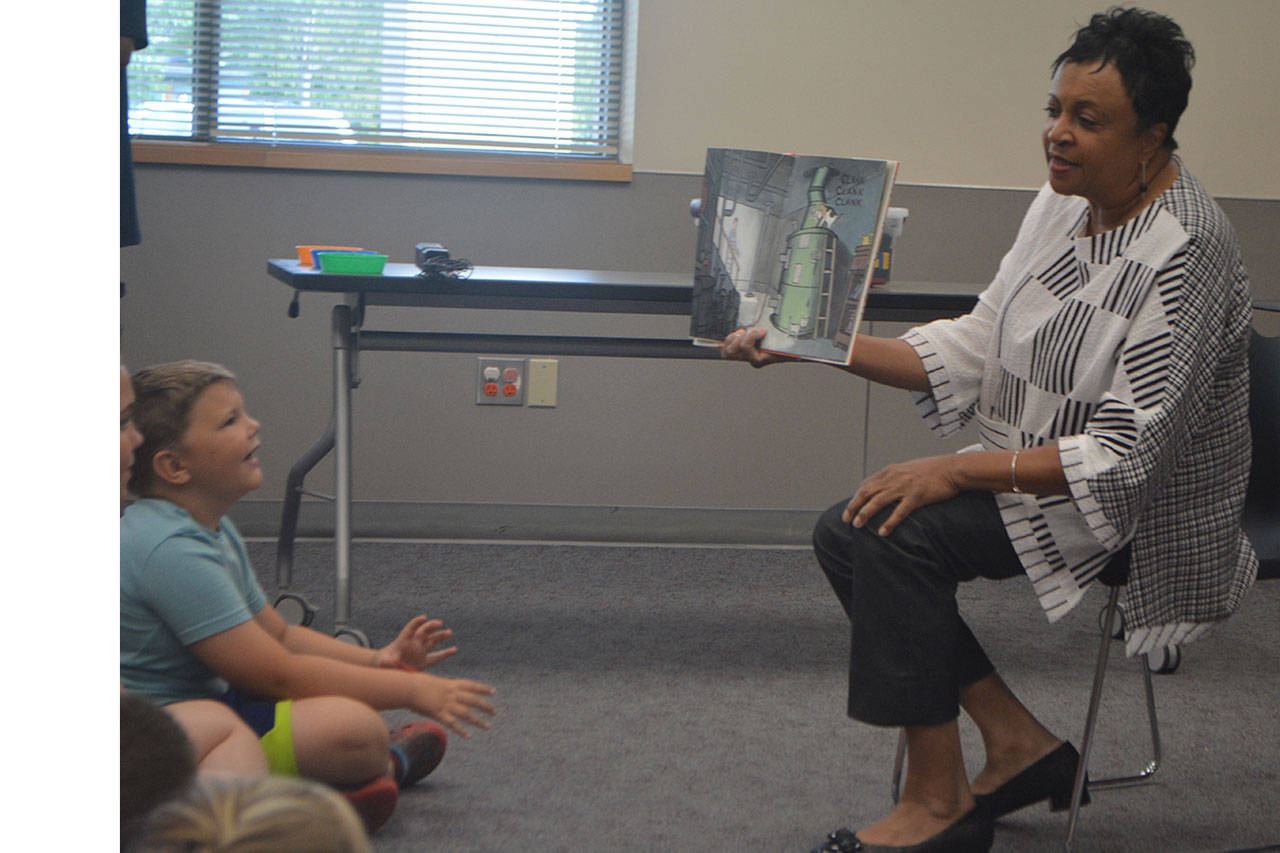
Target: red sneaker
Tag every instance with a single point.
(416, 749)
(374, 801)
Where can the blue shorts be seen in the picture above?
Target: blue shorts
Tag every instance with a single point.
(272, 722)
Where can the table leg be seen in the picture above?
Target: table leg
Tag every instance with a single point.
(337, 437)
(288, 602)
(342, 350)
(293, 491)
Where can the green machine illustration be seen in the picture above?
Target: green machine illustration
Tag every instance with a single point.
(808, 263)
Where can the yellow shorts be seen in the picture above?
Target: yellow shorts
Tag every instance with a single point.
(272, 722)
(278, 742)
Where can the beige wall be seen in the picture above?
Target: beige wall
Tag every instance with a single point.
(951, 88)
(641, 432)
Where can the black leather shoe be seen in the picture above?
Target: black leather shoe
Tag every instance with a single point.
(972, 833)
(1051, 778)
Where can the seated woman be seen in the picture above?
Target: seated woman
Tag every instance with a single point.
(1105, 368)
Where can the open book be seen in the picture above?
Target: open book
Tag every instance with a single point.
(786, 243)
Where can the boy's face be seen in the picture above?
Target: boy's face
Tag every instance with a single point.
(220, 445)
(130, 438)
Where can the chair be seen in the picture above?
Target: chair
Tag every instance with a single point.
(1261, 523)
(1262, 506)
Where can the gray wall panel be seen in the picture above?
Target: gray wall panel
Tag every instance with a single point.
(626, 432)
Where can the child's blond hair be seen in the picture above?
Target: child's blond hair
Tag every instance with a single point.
(163, 398)
(255, 815)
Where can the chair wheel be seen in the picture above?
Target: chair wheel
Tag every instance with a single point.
(354, 636)
(1117, 629)
(295, 609)
(1164, 661)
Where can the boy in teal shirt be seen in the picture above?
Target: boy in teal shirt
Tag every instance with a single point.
(195, 623)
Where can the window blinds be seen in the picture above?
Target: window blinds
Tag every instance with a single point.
(535, 77)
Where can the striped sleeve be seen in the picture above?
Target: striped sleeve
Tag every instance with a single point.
(948, 405)
(955, 351)
(1137, 395)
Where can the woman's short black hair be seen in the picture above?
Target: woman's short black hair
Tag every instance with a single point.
(1152, 55)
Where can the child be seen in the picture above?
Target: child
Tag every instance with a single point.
(157, 761)
(222, 743)
(268, 814)
(195, 623)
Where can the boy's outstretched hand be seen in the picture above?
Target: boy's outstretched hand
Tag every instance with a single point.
(414, 649)
(455, 701)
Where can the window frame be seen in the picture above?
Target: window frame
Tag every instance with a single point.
(275, 155)
(325, 158)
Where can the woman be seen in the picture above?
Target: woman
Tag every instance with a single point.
(1105, 368)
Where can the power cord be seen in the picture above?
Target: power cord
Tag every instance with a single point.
(434, 261)
(445, 267)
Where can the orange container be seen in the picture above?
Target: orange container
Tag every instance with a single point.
(304, 252)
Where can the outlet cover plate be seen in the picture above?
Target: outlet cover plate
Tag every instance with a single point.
(500, 381)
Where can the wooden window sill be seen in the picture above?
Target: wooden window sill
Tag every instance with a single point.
(412, 162)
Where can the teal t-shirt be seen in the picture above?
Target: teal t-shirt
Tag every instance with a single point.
(179, 583)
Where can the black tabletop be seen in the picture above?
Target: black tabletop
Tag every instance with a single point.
(551, 289)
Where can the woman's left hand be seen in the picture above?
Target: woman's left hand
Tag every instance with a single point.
(908, 484)
(414, 648)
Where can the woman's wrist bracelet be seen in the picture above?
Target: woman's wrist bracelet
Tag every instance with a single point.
(1013, 473)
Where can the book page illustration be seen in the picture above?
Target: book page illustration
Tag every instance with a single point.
(785, 243)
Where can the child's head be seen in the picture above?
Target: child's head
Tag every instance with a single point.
(130, 438)
(248, 815)
(157, 760)
(196, 433)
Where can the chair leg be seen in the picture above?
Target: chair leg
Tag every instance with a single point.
(898, 762)
(1142, 777)
(1091, 721)
(1086, 742)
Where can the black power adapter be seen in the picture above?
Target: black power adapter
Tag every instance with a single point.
(433, 260)
(427, 256)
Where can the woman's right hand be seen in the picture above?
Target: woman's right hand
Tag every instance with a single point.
(742, 345)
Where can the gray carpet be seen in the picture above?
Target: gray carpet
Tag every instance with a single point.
(692, 699)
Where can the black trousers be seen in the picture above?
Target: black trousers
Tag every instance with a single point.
(911, 652)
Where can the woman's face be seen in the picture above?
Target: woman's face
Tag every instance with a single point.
(1090, 138)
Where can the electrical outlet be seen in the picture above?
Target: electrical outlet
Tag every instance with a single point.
(543, 376)
(500, 381)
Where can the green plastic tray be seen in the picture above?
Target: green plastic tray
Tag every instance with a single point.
(352, 263)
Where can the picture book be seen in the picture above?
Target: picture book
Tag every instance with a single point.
(786, 243)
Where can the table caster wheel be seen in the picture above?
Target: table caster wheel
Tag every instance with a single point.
(1164, 661)
(1117, 627)
(354, 636)
(295, 609)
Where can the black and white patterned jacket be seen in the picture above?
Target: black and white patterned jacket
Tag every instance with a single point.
(1130, 349)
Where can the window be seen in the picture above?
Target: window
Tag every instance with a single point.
(527, 79)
